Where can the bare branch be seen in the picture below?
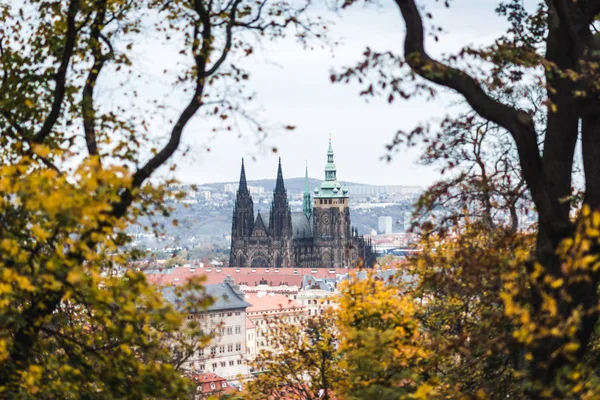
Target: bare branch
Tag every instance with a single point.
(517, 122)
(61, 74)
(228, 39)
(87, 104)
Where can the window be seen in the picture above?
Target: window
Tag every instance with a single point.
(230, 348)
(237, 313)
(202, 366)
(221, 349)
(309, 312)
(212, 386)
(230, 331)
(201, 352)
(229, 314)
(238, 347)
(222, 331)
(214, 365)
(213, 350)
(239, 362)
(238, 329)
(231, 363)
(223, 385)
(223, 364)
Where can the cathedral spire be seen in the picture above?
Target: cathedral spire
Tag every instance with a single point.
(330, 172)
(243, 185)
(279, 186)
(306, 204)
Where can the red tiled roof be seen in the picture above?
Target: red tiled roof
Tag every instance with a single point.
(249, 324)
(206, 378)
(245, 276)
(270, 302)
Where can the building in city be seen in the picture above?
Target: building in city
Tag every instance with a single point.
(267, 312)
(209, 385)
(225, 355)
(385, 225)
(319, 236)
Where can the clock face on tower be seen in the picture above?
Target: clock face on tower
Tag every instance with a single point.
(326, 219)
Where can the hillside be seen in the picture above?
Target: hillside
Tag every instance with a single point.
(293, 185)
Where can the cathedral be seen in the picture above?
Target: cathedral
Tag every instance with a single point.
(319, 236)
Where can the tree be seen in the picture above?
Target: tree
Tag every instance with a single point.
(382, 350)
(556, 45)
(371, 344)
(74, 173)
(302, 364)
(483, 180)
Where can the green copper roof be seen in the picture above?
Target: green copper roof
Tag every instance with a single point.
(331, 188)
(306, 204)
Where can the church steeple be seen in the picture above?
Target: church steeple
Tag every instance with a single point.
(306, 204)
(280, 220)
(243, 185)
(330, 171)
(330, 187)
(279, 185)
(242, 222)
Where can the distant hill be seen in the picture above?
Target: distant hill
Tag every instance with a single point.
(293, 185)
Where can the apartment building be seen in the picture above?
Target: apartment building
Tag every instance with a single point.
(266, 311)
(226, 353)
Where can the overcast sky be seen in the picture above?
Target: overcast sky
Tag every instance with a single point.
(294, 88)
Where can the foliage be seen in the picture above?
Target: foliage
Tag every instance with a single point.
(302, 363)
(481, 178)
(461, 279)
(553, 45)
(381, 342)
(74, 173)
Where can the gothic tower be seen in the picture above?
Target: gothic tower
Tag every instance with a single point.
(242, 222)
(331, 219)
(280, 223)
(306, 204)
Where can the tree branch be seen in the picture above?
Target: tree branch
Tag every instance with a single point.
(228, 39)
(61, 74)
(87, 104)
(517, 122)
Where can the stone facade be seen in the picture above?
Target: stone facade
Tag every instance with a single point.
(320, 236)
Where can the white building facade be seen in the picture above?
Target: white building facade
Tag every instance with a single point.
(225, 355)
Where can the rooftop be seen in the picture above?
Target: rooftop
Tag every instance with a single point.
(243, 276)
(206, 378)
(270, 302)
(225, 298)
